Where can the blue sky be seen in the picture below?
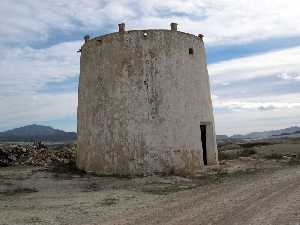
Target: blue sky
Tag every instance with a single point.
(253, 54)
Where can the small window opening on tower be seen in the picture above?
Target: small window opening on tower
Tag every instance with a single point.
(191, 51)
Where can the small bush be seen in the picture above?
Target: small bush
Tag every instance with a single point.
(228, 155)
(109, 201)
(247, 152)
(254, 144)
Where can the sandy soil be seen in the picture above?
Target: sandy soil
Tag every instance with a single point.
(247, 190)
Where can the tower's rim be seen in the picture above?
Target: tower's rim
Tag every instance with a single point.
(144, 30)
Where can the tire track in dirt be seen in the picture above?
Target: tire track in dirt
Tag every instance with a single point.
(260, 211)
(224, 210)
(239, 201)
(262, 193)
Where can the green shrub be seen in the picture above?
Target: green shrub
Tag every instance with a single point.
(254, 144)
(229, 155)
(247, 152)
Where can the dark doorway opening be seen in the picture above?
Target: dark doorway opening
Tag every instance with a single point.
(203, 141)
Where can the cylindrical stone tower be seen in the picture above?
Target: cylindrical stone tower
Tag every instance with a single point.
(144, 104)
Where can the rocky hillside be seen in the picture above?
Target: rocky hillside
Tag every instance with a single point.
(37, 132)
(36, 154)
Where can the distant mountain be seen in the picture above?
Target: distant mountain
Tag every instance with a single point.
(268, 134)
(221, 137)
(37, 132)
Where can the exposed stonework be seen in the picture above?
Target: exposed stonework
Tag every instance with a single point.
(142, 97)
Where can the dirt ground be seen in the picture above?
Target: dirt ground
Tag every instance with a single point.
(246, 190)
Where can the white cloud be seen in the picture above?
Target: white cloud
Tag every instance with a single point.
(286, 76)
(236, 122)
(221, 21)
(214, 97)
(24, 74)
(278, 62)
(239, 114)
(24, 21)
(254, 105)
(25, 69)
(274, 101)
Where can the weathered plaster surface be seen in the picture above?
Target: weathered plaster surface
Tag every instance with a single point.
(142, 97)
